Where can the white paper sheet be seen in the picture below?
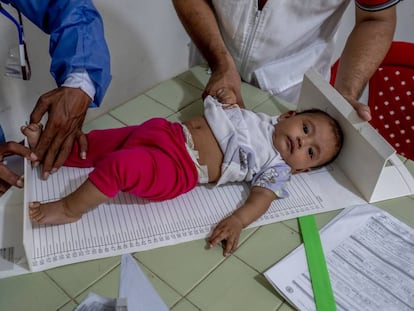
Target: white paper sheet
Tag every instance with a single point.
(137, 289)
(370, 258)
(136, 292)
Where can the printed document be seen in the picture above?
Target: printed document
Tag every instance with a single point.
(370, 258)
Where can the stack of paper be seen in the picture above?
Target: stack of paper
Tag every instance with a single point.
(370, 258)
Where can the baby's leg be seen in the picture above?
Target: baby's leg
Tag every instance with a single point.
(70, 208)
(32, 132)
(147, 172)
(100, 143)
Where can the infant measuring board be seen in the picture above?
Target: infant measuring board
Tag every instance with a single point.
(129, 224)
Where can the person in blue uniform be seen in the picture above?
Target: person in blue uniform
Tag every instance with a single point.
(80, 65)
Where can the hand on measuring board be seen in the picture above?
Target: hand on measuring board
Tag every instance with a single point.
(228, 230)
(9, 178)
(66, 108)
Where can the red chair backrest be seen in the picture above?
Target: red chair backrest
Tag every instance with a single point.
(391, 97)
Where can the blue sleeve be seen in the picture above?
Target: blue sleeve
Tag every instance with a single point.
(77, 39)
(274, 178)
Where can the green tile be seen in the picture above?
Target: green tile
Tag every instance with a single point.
(292, 224)
(174, 94)
(401, 208)
(235, 286)
(184, 305)
(197, 76)
(410, 165)
(102, 122)
(182, 265)
(268, 245)
(77, 277)
(281, 104)
(68, 307)
(286, 307)
(108, 286)
(321, 220)
(402, 158)
(193, 110)
(140, 109)
(167, 294)
(31, 292)
(269, 108)
(252, 96)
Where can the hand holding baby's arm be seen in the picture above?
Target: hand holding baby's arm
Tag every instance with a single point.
(227, 97)
(228, 230)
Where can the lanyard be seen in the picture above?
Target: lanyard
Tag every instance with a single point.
(23, 68)
(318, 270)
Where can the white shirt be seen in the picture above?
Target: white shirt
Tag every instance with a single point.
(80, 79)
(245, 138)
(274, 47)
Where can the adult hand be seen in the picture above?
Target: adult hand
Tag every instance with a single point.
(227, 98)
(199, 20)
(7, 177)
(66, 108)
(225, 79)
(227, 231)
(363, 110)
(364, 51)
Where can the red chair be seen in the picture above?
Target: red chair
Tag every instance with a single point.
(391, 98)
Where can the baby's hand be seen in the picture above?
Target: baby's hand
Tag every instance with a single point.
(227, 97)
(228, 231)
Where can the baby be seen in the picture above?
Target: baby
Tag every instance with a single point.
(159, 160)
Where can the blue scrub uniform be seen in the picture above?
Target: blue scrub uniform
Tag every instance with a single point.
(77, 39)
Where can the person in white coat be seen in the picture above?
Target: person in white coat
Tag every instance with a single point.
(271, 43)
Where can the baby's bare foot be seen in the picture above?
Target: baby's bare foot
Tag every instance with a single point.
(32, 132)
(55, 213)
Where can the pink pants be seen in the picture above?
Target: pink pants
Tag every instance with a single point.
(148, 160)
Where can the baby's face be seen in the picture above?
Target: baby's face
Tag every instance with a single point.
(304, 140)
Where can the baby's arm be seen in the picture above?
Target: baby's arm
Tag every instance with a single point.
(228, 230)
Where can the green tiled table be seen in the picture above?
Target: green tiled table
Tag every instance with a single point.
(187, 276)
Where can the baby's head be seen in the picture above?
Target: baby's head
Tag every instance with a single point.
(307, 139)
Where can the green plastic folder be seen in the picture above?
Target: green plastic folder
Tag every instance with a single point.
(321, 284)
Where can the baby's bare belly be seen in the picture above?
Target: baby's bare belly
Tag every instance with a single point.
(205, 143)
